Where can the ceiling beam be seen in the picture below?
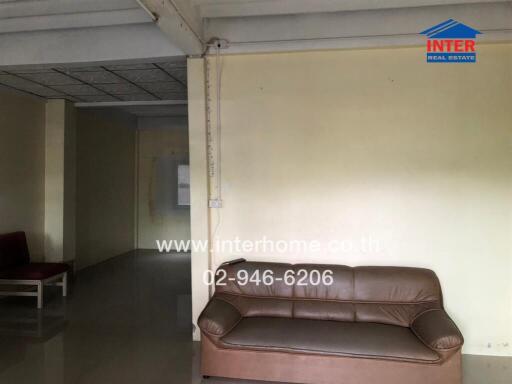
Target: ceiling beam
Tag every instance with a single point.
(242, 8)
(356, 29)
(27, 8)
(86, 45)
(180, 22)
(73, 20)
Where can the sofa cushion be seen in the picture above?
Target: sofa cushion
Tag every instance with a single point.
(387, 295)
(368, 340)
(34, 271)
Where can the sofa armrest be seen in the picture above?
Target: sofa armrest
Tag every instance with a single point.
(436, 330)
(218, 318)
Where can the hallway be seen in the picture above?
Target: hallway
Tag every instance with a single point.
(127, 320)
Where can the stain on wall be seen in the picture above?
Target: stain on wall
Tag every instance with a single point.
(163, 145)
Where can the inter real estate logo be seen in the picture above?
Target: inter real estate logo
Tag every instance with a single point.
(451, 42)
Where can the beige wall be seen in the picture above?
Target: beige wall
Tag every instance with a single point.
(163, 144)
(22, 143)
(37, 152)
(105, 185)
(374, 144)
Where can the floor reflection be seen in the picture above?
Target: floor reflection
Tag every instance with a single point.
(20, 320)
(126, 320)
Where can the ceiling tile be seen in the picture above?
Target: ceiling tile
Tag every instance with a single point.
(172, 95)
(144, 81)
(32, 70)
(69, 98)
(98, 77)
(138, 97)
(145, 75)
(168, 86)
(120, 89)
(44, 92)
(97, 98)
(178, 70)
(28, 86)
(172, 64)
(81, 69)
(50, 78)
(179, 74)
(78, 90)
(130, 66)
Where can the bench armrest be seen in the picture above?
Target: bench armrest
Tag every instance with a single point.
(436, 330)
(218, 318)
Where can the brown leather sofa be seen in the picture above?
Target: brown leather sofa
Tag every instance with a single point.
(381, 325)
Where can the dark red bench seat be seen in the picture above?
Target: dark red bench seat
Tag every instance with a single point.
(16, 268)
(34, 271)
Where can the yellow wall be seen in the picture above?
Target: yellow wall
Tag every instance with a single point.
(105, 205)
(375, 144)
(22, 153)
(163, 144)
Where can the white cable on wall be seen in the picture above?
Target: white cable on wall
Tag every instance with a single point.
(218, 83)
(214, 162)
(218, 64)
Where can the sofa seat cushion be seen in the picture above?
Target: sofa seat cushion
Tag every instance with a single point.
(33, 271)
(368, 340)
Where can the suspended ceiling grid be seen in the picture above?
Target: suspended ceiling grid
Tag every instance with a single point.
(107, 83)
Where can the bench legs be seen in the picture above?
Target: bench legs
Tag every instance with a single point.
(65, 285)
(61, 280)
(40, 287)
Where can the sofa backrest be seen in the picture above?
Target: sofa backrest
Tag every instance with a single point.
(388, 295)
(13, 250)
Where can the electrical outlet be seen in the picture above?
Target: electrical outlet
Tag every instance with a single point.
(215, 203)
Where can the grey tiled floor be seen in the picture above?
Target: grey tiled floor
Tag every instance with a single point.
(128, 320)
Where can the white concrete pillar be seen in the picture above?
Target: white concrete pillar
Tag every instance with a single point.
(60, 181)
(199, 220)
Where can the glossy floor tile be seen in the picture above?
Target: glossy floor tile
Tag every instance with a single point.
(128, 320)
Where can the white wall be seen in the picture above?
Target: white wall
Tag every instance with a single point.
(105, 172)
(22, 152)
(360, 144)
(162, 145)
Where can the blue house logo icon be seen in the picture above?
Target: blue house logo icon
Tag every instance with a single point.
(451, 42)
